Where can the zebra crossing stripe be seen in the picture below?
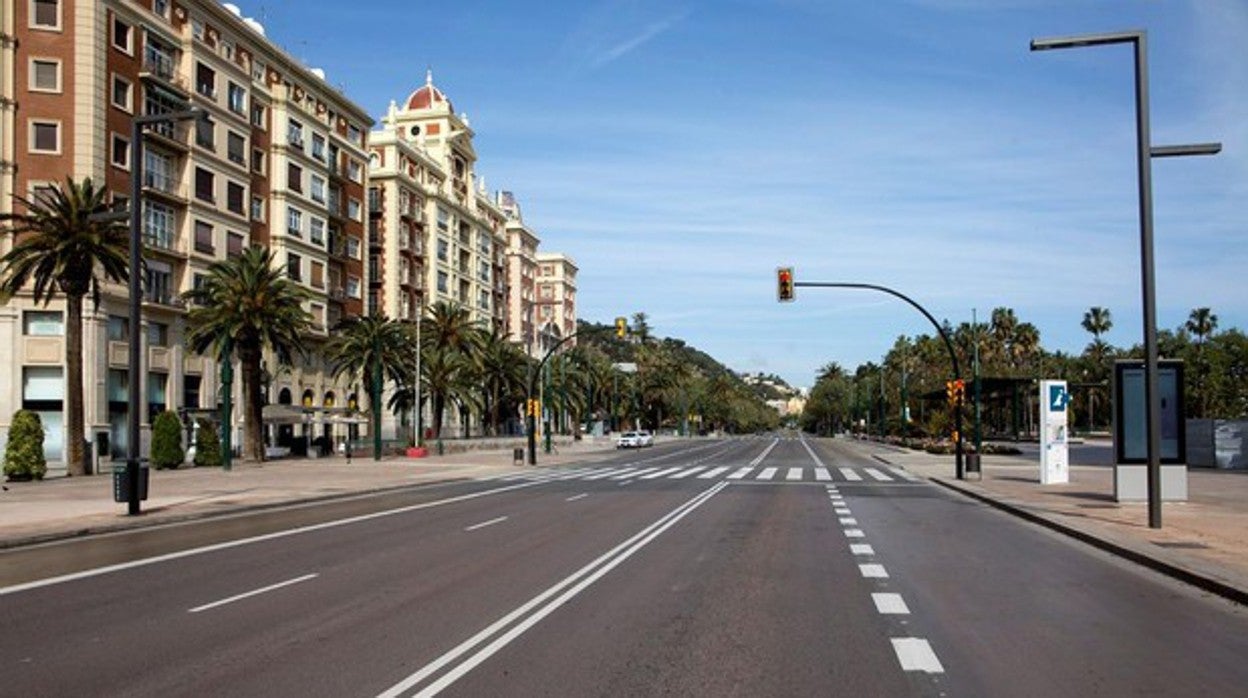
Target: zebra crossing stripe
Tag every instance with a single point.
(878, 475)
(794, 474)
(712, 472)
(850, 474)
(688, 472)
(609, 473)
(632, 473)
(741, 473)
(904, 475)
(822, 474)
(661, 473)
(767, 474)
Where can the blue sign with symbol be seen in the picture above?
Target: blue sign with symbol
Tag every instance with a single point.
(1058, 398)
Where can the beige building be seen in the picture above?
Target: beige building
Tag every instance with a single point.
(522, 244)
(556, 297)
(280, 161)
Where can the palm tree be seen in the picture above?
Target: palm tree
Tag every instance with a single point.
(502, 368)
(641, 328)
(1097, 321)
(1202, 323)
(63, 244)
(370, 350)
(248, 303)
(445, 375)
(451, 326)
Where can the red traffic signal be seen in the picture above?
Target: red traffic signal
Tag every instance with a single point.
(784, 284)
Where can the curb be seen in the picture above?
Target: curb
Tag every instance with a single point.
(1195, 579)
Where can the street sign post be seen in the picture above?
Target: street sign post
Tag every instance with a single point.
(1054, 447)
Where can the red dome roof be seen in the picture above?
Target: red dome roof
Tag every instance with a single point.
(428, 95)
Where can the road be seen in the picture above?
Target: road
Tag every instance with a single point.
(747, 567)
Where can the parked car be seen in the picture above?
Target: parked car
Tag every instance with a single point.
(635, 439)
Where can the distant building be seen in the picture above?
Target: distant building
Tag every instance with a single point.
(556, 298)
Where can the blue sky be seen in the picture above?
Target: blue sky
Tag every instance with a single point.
(681, 151)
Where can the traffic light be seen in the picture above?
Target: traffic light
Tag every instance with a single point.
(621, 327)
(955, 391)
(784, 284)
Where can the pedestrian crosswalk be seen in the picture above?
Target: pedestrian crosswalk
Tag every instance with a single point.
(747, 473)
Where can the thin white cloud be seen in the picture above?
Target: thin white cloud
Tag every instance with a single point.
(628, 46)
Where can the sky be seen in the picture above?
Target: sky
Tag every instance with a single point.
(681, 151)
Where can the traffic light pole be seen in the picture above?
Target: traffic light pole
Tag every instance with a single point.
(959, 463)
(531, 419)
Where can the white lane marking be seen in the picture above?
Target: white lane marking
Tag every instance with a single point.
(854, 533)
(873, 571)
(812, 454)
(258, 539)
(249, 594)
(713, 472)
(634, 473)
(688, 472)
(905, 475)
(890, 604)
(822, 474)
(483, 524)
(661, 473)
(861, 549)
(850, 474)
(766, 474)
(578, 581)
(741, 473)
(794, 474)
(575, 497)
(608, 473)
(916, 655)
(841, 511)
(878, 475)
(763, 455)
(848, 521)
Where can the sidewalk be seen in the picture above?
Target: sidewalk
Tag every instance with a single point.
(1202, 541)
(62, 507)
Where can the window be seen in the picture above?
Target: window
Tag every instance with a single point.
(204, 185)
(354, 134)
(122, 95)
(257, 208)
(203, 238)
(43, 323)
(235, 196)
(46, 15)
(190, 391)
(158, 286)
(157, 334)
(158, 171)
(294, 221)
(442, 281)
(294, 177)
(353, 171)
(118, 328)
(442, 249)
(353, 248)
(237, 98)
(318, 189)
(318, 146)
(353, 209)
(294, 134)
(257, 115)
(316, 230)
(161, 7)
(43, 392)
(444, 220)
(158, 221)
(205, 81)
(123, 35)
(294, 267)
(45, 75)
(234, 244)
(318, 275)
(353, 286)
(258, 70)
(121, 152)
(257, 161)
(205, 133)
(156, 396)
(235, 148)
(45, 137)
(374, 199)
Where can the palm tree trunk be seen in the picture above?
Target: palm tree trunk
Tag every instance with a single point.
(73, 389)
(253, 401)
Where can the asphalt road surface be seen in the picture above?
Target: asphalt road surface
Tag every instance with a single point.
(746, 567)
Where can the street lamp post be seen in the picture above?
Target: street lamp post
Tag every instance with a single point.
(1144, 154)
(135, 364)
(420, 436)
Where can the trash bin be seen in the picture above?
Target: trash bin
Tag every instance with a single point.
(972, 464)
(121, 484)
(517, 455)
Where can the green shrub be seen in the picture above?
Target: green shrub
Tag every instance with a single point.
(207, 445)
(23, 456)
(167, 441)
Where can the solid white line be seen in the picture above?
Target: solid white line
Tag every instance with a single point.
(794, 474)
(741, 473)
(916, 655)
(878, 475)
(573, 498)
(812, 454)
(250, 594)
(257, 539)
(712, 472)
(890, 604)
(661, 473)
(483, 524)
(688, 472)
(766, 474)
(861, 549)
(578, 581)
(848, 521)
(763, 455)
(822, 474)
(850, 474)
(873, 571)
(854, 533)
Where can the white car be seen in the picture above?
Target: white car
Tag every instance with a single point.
(635, 439)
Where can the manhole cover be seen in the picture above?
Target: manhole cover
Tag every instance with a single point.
(1180, 544)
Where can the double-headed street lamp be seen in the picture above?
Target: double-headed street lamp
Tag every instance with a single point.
(135, 365)
(1144, 154)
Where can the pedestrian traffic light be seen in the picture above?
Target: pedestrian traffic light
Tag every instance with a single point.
(621, 327)
(784, 284)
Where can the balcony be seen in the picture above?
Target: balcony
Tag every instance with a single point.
(161, 240)
(164, 186)
(162, 67)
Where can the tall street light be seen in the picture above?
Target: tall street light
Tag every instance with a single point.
(135, 365)
(1144, 154)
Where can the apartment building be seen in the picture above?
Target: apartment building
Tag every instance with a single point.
(279, 161)
(522, 244)
(556, 297)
